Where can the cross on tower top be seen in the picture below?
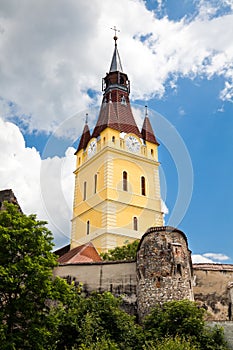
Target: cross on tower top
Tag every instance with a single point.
(115, 36)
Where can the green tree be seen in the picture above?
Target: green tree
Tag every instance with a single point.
(183, 319)
(97, 322)
(126, 252)
(26, 285)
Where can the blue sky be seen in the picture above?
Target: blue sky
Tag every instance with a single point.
(178, 56)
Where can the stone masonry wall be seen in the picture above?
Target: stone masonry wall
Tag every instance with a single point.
(164, 268)
(213, 288)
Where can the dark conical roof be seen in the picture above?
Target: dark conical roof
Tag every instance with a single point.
(85, 138)
(147, 131)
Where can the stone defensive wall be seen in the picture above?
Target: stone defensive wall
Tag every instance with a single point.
(212, 283)
(213, 288)
(119, 278)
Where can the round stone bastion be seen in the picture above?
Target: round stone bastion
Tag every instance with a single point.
(164, 268)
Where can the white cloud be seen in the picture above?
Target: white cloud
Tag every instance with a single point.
(200, 259)
(52, 53)
(217, 256)
(20, 168)
(211, 258)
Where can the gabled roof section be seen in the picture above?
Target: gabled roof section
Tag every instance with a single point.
(116, 116)
(116, 65)
(63, 250)
(126, 119)
(147, 131)
(85, 138)
(83, 253)
(107, 118)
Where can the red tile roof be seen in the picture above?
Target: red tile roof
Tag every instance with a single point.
(83, 253)
(85, 138)
(147, 131)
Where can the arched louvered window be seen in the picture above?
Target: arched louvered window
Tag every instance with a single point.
(125, 181)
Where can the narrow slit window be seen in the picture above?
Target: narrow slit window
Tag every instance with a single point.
(85, 191)
(135, 223)
(125, 181)
(143, 186)
(88, 227)
(113, 139)
(95, 183)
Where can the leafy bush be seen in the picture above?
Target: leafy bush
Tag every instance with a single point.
(126, 252)
(183, 319)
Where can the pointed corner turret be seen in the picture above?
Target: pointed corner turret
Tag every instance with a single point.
(85, 138)
(147, 131)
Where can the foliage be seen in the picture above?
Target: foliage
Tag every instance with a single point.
(102, 344)
(26, 285)
(98, 320)
(39, 312)
(184, 319)
(176, 343)
(126, 252)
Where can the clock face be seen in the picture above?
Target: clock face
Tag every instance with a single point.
(132, 144)
(91, 149)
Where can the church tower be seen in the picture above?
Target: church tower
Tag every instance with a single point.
(117, 189)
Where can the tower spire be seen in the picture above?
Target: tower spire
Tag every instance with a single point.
(116, 65)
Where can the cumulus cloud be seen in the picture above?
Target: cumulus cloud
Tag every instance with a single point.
(51, 54)
(20, 170)
(211, 258)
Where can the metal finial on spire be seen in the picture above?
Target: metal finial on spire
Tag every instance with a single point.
(115, 36)
(146, 111)
(86, 120)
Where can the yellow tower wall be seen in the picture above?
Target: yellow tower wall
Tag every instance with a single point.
(109, 209)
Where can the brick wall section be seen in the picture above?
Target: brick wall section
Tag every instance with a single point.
(164, 268)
